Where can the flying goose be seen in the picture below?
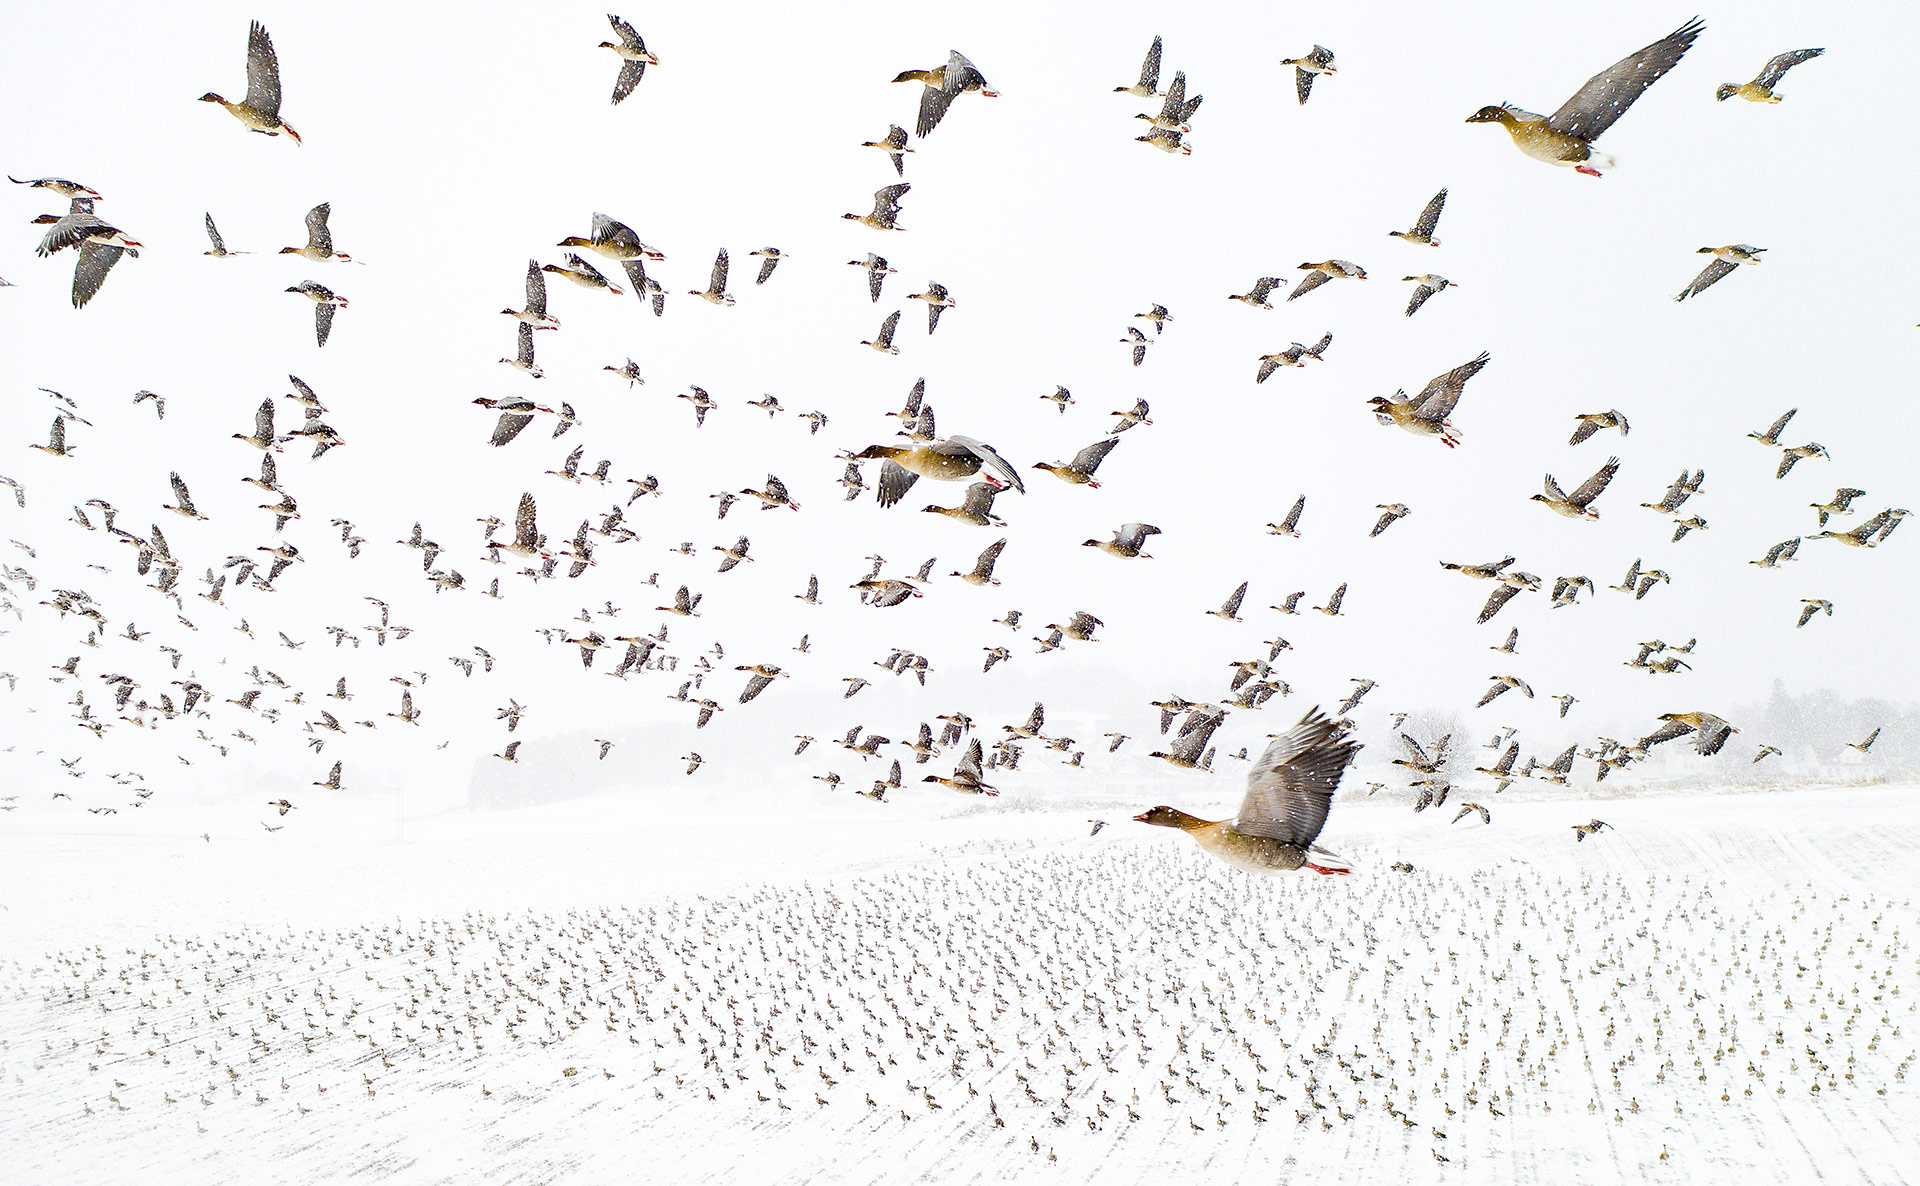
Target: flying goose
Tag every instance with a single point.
(1566, 137)
(886, 208)
(1127, 542)
(1772, 435)
(951, 460)
(1592, 422)
(1710, 731)
(1148, 86)
(967, 775)
(716, 293)
(1230, 608)
(634, 60)
(937, 301)
(982, 573)
(260, 110)
(1578, 505)
(1760, 90)
(1132, 416)
(319, 246)
(883, 341)
(523, 354)
(1079, 471)
(1427, 286)
(1725, 260)
(582, 273)
(1295, 355)
(945, 83)
(684, 604)
(1290, 526)
(535, 312)
(1501, 685)
(1325, 270)
(1320, 61)
(877, 273)
(1289, 793)
(324, 303)
(1789, 458)
(1840, 504)
(770, 258)
(1682, 488)
(1257, 297)
(1138, 341)
(1810, 606)
(219, 245)
(1422, 233)
(731, 557)
(1427, 415)
(183, 502)
(894, 144)
(775, 495)
(763, 674)
(1393, 513)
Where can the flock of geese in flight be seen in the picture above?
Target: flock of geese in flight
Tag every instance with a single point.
(1290, 786)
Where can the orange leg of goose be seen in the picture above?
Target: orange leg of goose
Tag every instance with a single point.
(1589, 170)
(1323, 869)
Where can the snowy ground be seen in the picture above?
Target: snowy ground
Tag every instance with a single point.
(605, 992)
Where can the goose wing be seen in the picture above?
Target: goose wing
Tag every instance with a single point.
(895, 481)
(536, 288)
(1290, 789)
(319, 238)
(1592, 487)
(263, 72)
(90, 270)
(1607, 95)
(1088, 459)
(1430, 217)
(1440, 396)
(1778, 67)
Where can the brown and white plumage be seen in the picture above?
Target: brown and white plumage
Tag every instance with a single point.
(895, 146)
(260, 110)
(1578, 505)
(886, 208)
(1426, 287)
(324, 302)
(319, 246)
(1725, 260)
(1289, 794)
(1423, 227)
(1592, 422)
(634, 59)
(944, 84)
(1760, 90)
(1325, 270)
(1566, 137)
(1320, 61)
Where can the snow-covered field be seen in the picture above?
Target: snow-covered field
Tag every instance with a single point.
(789, 990)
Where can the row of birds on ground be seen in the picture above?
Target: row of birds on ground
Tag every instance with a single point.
(1296, 770)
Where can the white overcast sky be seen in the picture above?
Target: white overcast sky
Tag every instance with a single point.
(455, 142)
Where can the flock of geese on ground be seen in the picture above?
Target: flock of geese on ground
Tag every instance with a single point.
(1290, 785)
(1429, 1014)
